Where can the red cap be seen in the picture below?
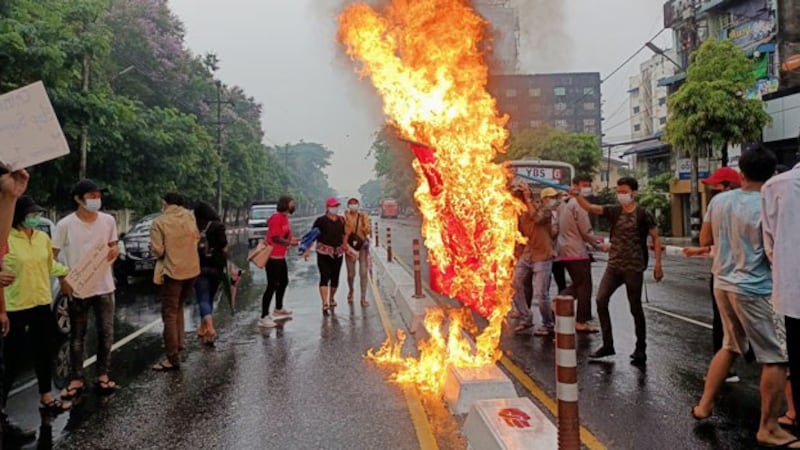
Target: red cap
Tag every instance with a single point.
(352, 200)
(331, 202)
(724, 174)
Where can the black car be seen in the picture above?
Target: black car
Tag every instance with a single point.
(135, 258)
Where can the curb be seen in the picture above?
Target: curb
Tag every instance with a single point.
(400, 286)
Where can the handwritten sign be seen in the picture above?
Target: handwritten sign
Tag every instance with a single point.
(29, 130)
(91, 267)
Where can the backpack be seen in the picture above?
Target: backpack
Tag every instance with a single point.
(642, 221)
(203, 246)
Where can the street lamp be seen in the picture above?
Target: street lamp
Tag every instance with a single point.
(659, 51)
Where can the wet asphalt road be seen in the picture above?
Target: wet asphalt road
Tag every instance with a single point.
(631, 408)
(304, 385)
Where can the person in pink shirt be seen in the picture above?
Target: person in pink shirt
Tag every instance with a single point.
(279, 236)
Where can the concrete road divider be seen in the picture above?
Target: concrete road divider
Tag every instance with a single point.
(400, 285)
(511, 423)
(464, 386)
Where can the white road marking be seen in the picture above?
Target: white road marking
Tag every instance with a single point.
(678, 316)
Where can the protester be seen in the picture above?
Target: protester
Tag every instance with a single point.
(213, 253)
(523, 282)
(722, 180)
(780, 217)
(537, 259)
(627, 261)
(358, 230)
(12, 186)
(173, 239)
(330, 248)
(742, 287)
(28, 298)
(574, 234)
(279, 236)
(77, 235)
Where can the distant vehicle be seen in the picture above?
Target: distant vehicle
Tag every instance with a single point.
(134, 247)
(553, 171)
(389, 208)
(60, 303)
(257, 221)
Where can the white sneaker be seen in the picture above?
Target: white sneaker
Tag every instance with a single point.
(282, 313)
(267, 322)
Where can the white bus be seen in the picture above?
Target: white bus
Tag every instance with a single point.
(553, 171)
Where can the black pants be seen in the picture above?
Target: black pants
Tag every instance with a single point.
(31, 336)
(277, 282)
(633, 281)
(580, 274)
(793, 348)
(329, 270)
(560, 275)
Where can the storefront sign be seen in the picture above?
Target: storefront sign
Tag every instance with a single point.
(752, 23)
(685, 168)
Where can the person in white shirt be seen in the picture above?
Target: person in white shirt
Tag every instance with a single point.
(780, 214)
(75, 236)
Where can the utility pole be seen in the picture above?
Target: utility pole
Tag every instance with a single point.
(85, 70)
(690, 37)
(219, 124)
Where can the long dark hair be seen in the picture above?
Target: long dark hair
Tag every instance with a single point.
(284, 202)
(205, 213)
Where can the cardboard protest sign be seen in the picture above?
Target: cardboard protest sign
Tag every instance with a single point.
(91, 267)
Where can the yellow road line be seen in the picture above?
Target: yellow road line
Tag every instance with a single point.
(425, 436)
(587, 438)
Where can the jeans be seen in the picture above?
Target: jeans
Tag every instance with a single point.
(580, 288)
(205, 289)
(363, 268)
(542, 272)
(30, 337)
(174, 294)
(277, 282)
(633, 281)
(103, 307)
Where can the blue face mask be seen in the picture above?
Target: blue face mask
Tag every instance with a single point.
(31, 222)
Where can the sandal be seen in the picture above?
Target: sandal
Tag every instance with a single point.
(106, 387)
(333, 304)
(326, 310)
(350, 298)
(165, 366)
(364, 303)
(698, 417)
(72, 392)
(784, 445)
(787, 421)
(54, 407)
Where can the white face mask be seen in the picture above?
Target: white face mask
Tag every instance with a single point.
(93, 204)
(333, 211)
(586, 192)
(625, 199)
(552, 203)
(352, 208)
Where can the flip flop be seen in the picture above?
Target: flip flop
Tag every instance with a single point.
(70, 393)
(106, 387)
(787, 421)
(697, 417)
(164, 366)
(784, 445)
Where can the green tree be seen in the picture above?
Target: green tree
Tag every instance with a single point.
(654, 197)
(371, 193)
(393, 166)
(580, 150)
(710, 110)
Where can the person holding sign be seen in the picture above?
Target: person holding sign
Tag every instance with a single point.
(28, 298)
(75, 236)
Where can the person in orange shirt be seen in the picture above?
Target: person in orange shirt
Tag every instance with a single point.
(357, 230)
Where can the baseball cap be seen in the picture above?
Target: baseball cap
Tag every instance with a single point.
(548, 192)
(331, 202)
(724, 174)
(352, 200)
(24, 206)
(86, 186)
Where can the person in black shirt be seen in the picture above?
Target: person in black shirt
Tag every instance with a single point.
(213, 250)
(330, 253)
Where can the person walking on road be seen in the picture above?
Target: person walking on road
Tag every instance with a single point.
(574, 235)
(627, 261)
(523, 283)
(279, 236)
(743, 287)
(76, 235)
(537, 259)
(330, 248)
(30, 325)
(780, 216)
(213, 253)
(173, 239)
(358, 230)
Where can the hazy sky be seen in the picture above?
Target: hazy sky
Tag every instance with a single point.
(284, 53)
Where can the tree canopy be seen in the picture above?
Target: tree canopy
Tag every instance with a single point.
(581, 150)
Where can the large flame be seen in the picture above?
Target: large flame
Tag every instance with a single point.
(424, 58)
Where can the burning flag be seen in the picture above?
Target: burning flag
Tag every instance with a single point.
(424, 57)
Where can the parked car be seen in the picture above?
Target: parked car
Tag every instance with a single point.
(135, 258)
(257, 221)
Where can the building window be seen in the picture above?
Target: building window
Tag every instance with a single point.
(588, 91)
(589, 126)
(637, 127)
(514, 126)
(535, 92)
(511, 92)
(561, 106)
(560, 91)
(512, 108)
(636, 110)
(561, 124)
(536, 123)
(662, 101)
(603, 175)
(662, 121)
(589, 106)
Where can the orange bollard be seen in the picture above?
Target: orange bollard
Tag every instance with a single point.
(569, 437)
(388, 244)
(417, 271)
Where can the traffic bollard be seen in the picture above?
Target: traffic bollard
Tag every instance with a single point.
(417, 271)
(389, 257)
(377, 241)
(569, 437)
